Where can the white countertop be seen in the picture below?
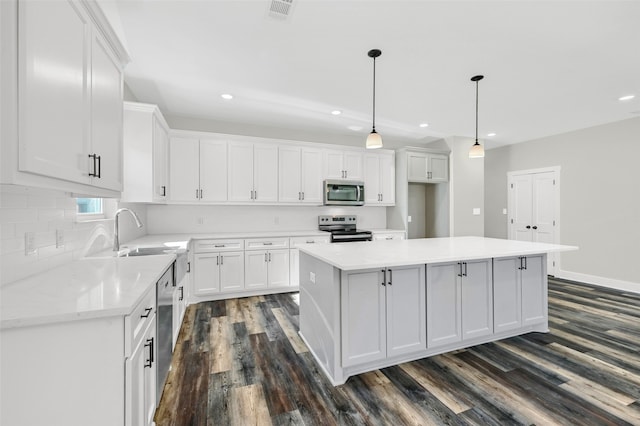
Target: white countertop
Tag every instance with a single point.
(375, 254)
(83, 289)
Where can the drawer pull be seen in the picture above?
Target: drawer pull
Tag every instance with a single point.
(219, 245)
(267, 244)
(147, 312)
(310, 242)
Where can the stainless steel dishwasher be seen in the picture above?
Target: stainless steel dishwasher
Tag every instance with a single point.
(166, 288)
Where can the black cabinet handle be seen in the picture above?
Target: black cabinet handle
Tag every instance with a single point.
(181, 297)
(528, 227)
(164, 190)
(460, 264)
(188, 266)
(465, 269)
(147, 312)
(94, 157)
(535, 227)
(149, 345)
(384, 277)
(390, 276)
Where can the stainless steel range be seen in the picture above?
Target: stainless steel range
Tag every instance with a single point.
(343, 228)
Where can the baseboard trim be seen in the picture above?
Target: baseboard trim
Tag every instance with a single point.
(600, 281)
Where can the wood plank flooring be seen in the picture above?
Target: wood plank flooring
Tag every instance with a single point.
(241, 362)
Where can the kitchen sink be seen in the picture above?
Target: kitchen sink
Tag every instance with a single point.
(148, 251)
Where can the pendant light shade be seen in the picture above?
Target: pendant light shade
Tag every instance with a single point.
(374, 140)
(476, 151)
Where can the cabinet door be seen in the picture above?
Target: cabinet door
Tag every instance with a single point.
(311, 176)
(160, 161)
(334, 165)
(184, 174)
(289, 172)
(206, 273)
(353, 165)
(507, 297)
(140, 379)
(265, 172)
(294, 267)
(364, 334)
(53, 90)
(438, 168)
(477, 299)
(240, 171)
(213, 170)
(255, 269)
(372, 191)
(406, 317)
(231, 271)
(417, 167)
(443, 304)
(534, 290)
(278, 268)
(106, 115)
(387, 179)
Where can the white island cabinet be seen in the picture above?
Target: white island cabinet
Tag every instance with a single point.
(369, 305)
(82, 341)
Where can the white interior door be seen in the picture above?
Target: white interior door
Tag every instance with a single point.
(533, 205)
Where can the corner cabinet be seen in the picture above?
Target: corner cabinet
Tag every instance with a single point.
(69, 98)
(146, 154)
(459, 301)
(383, 313)
(380, 179)
(427, 167)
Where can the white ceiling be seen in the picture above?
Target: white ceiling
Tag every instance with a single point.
(549, 66)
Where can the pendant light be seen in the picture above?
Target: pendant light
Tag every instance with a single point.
(374, 140)
(476, 151)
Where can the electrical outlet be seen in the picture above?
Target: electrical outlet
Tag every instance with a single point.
(476, 211)
(200, 220)
(409, 219)
(504, 211)
(29, 243)
(312, 277)
(59, 238)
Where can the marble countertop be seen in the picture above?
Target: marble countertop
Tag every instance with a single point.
(83, 289)
(376, 254)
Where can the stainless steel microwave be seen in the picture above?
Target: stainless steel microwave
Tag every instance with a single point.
(343, 192)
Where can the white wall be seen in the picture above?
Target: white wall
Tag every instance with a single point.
(43, 212)
(599, 198)
(466, 189)
(172, 219)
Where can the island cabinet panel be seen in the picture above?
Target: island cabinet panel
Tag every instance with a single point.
(364, 331)
(383, 314)
(459, 301)
(520, 292)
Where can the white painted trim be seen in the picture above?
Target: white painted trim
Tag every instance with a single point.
(600, 281)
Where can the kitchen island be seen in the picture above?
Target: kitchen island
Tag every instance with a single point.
(369, 305)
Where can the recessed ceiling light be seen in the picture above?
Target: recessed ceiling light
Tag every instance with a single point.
(226, 96)
(491, 134)
(424, 124)
(336, 112)
(355, 128)
(626, 98)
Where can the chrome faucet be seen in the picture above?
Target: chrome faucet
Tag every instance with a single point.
(116, 230)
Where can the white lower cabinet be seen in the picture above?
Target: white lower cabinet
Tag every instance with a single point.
(219, 272)
(141, 379)
(383, 313)
(266, 266)
(459, 301)
(179, 306)
(525, 302)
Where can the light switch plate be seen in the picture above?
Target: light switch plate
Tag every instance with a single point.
(476, 211)
(409, 219)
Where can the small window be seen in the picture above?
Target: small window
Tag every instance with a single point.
(89, 208)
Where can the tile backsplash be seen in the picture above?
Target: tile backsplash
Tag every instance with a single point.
(58, 237)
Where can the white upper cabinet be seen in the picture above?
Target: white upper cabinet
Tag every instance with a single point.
(252, 172)
(380, 178)
(69, 98)
(343, 164)
(427, 167)
(198, 170)
(299, 175)
(146, 154)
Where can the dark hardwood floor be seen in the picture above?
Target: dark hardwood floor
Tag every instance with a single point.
(241, 362)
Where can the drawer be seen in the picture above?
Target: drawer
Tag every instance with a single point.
(266, 243)
(314, 239)
(207, 246)
(136, 323)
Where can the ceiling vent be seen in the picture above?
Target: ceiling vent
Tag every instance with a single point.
(280, 8)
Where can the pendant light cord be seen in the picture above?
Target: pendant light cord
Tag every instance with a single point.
(374, 94)
(477, 111)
